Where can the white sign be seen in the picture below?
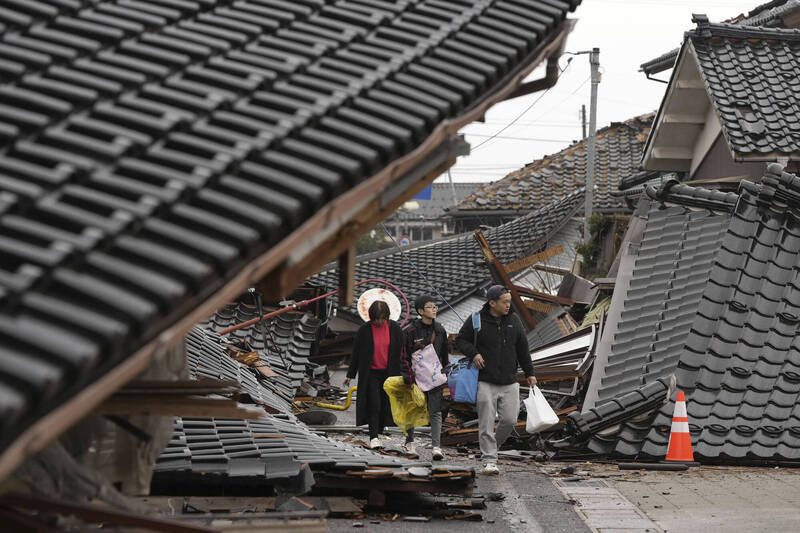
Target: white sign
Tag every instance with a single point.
(373, 295)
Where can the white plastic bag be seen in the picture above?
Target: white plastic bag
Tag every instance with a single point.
(540, 415)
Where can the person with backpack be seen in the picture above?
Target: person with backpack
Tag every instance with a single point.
(496, 349)
(376, 356)
(421, 332)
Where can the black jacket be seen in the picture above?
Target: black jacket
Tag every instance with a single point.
(361, 361)
(502, 343)
(417, 336)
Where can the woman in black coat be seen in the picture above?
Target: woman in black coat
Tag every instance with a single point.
(376, 356)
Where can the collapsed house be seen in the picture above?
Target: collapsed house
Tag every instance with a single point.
(455, 266)
(708, 292)
(159, 158)
(274, 452)
(705, 281)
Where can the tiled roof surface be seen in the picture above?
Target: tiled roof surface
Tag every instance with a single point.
(661, 63)
(671, 271)
(637, 178)
(672, 191)
(752, 78)
(220, 452)
(205, 358)
(730, 328)
(619, 150)
(271, 447)
(768, 14)
(452, 319)
(289, 338)
(547, 330)
(149, 150)
(456, 266)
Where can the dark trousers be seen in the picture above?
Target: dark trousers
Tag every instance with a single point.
(434, 400)
(377, 402)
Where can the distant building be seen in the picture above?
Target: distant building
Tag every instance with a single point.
(424, 220)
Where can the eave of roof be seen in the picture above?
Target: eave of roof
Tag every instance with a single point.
(327, 225)
(693, 124)
(661, 63)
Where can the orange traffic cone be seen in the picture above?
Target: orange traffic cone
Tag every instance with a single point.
(680, 442)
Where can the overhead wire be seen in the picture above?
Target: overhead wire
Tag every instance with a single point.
(519, 116)
(520, 138)
(420, 274)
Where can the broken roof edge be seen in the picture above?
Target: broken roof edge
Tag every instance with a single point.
(674, 192)
(661, 63)
(639, 178)
(331, 223)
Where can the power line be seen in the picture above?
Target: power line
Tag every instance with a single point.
(520, 138)
(569, 62)
(420, 274)
(527, 123)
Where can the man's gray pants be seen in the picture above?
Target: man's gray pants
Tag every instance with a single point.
(502, 400)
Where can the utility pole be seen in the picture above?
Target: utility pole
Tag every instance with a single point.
(583, 121)
(594, 63)
(452, 188)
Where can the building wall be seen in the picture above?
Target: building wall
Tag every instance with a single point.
(718, 163)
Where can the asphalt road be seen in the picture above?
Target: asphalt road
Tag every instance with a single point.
(532, 503)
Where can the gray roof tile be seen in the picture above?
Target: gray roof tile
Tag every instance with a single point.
(150, 151)
(619, 149)
(735, 351)
(455, 265)
(750, 73)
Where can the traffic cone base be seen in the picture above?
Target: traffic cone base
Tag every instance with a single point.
(680, 441)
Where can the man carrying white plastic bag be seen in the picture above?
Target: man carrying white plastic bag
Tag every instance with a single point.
(540, 415)
(497, 348)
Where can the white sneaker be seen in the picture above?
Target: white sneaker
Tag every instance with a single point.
(437, 454)
(375, 443)
(409, 448)
(490, 469)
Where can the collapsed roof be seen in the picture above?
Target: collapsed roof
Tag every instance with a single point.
(159, 157)
(225, 455)
(713, 297)
(455, 265)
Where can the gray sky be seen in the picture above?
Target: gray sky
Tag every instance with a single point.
(628, 33)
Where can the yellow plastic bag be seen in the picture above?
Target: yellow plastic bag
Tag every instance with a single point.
(405, 402)
(418, 396)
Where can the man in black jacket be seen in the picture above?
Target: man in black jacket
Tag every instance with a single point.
(419, 334)
(499, 346)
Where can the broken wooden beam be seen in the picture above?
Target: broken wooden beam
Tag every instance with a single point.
(500, 276)
(533, 305)
(533, 259)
